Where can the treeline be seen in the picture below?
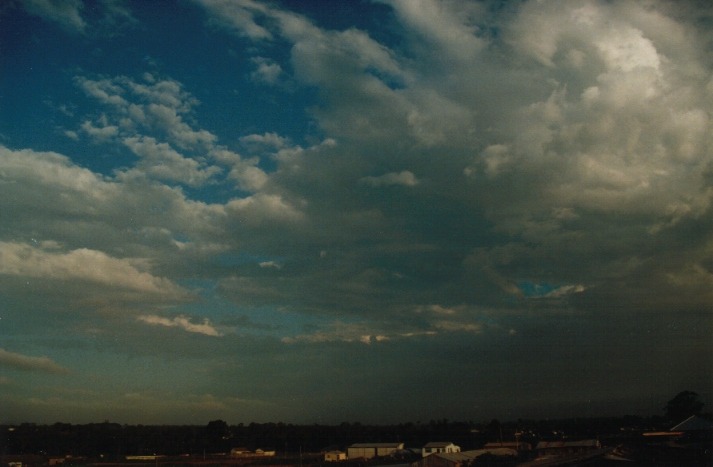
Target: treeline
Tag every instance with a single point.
(115, 441)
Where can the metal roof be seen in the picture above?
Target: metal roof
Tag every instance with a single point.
(568, 444)
(470, 455)
(377, 445)
(438, 444)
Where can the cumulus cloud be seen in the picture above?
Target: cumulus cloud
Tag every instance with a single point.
(266, 71)
(18, 259)
(161, 161)
(18, 361)
(262, 208)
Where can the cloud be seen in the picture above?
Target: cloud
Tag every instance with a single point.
(24, 260)
(161, 161)
(269, 140)
(107, 213)
(266, 71)
(152, 105)
(451, 26)
(339, 332)
(270, 264)
(245, 172)
(182, 322)
(99, 134)
(404, 178)
(262, 208)
(66, 13)
(240, 16)
(26, 363)
(473, 183)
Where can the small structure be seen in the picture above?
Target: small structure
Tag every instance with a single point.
(370, 450)
(438, 447)
(244, 452)
(567, 448)
(335, 456)
(239, 452)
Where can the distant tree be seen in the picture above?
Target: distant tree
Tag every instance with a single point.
(218, 435)
(685, 404)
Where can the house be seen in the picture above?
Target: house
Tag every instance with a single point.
(370, 450)
(566, 448)
(439, 446)
(335, 456)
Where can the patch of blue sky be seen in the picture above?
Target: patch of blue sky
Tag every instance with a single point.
(532, 289)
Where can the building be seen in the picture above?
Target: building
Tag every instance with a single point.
(370, 450)
(516, 445)
(245, 452)
(461, 459)
(239, 452)
(438, 447)
(566, 448)
(335, 456)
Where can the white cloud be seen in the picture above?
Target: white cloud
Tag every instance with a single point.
(100, 134)
(161, 161)
(52, 171)
(24, 260)
(270, 265)
(266, 71)
(447, 24)
(269, 140)
(262, 208)
(566, 290)
(104, 90)
(154, 105)
(182, 322)
(247, 175)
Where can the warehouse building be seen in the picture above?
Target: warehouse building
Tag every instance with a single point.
(370, 450)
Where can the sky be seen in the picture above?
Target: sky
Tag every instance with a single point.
(350, 210)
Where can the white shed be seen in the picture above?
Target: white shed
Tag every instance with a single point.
(439, 447)
(335, 456)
